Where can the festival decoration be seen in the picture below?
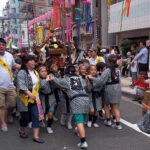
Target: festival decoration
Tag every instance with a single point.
(78, 22)
(87, 14)
(108, 11)
(68, 30)
(20, 43)
(39, 36)
(125, 11)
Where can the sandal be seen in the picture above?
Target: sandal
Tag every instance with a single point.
(41, 141)
(23, 135)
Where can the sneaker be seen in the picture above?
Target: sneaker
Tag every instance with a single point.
(42, 124)
(62, 122)
(95, 125)
(55, 119)
(114, 120)
(118, 127)
(89, 124)
(76, 131)
(107, 123)
(49, 130)
(83, 145)
(69, 126)
(30, 125)
(10, 119)
(4, 127)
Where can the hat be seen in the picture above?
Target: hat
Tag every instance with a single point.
(2, 41)
(128, 53)
(103, 51)
(93, 49)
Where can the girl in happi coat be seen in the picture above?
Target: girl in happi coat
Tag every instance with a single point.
(47, 98)
(112, 93)
(79, 101)
(95, 99)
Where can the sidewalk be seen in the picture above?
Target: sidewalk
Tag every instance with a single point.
(125, 87)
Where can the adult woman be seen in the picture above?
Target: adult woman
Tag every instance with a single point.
(28, 87)
(110, 78)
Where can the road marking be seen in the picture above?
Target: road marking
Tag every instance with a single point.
(133, 126)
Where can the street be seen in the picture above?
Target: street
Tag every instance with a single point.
(102, 138)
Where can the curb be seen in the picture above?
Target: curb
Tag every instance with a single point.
(127, 94)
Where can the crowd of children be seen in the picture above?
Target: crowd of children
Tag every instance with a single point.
(81, 93)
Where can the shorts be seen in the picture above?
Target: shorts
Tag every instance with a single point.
(8, 97)
(80, 118)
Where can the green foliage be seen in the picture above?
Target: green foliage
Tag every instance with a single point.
(125, 46)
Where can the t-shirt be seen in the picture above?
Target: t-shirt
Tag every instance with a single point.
(93, 61)
(5, 79)
(134, 67)
(34, 80)
(140, 83)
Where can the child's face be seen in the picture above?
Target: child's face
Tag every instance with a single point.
(54, 68)
(43, 73)
(86, 64)
(82, 70)
(93, 71)
(141, 76)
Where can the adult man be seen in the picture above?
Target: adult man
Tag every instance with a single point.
(142, 58)
(7, 89)
(94, 57)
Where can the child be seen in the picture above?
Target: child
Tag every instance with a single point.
(134, 70)
(54, 71)
(66, 115)
(79, 101)
(95, 99)
(47, 98)
(141, 87)
(110, 78)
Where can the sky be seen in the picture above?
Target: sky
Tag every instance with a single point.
(2, 5)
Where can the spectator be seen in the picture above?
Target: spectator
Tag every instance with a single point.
(94, 57)
(7, 89)
(141, 87)
(142, 57)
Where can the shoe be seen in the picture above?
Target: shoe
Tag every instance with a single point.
(10, 119)
(69, 126)
(4, 127)
(55, 119)
(101, 117)
(89, 124)
(23, 135)
(40, 141)
(76, 131)
(95, 125)
(107, 123)
(118, 127)
(30, 125)
(42, 124)
(49, 130)
(83, 145)
(114, 120)
(62, 122)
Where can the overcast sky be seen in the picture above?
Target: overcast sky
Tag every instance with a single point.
(2, 5)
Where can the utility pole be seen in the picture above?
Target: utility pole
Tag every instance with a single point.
(95, 27)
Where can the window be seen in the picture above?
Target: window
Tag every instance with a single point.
(50, 2)
(41, 10)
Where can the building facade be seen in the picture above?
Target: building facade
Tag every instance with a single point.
(136, 26)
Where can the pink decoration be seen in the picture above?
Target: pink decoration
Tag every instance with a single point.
(67, 3)
(68, 30)
(72, 2)
(20, 43)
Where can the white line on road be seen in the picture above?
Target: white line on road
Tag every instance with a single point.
(133, 126)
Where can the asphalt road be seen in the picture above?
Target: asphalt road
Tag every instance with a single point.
(102, 138)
